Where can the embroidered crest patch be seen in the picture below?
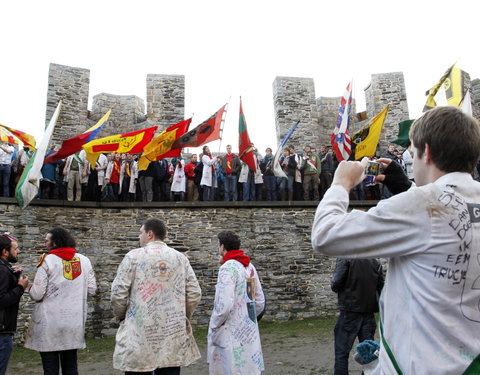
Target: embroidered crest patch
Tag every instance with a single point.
(72, 268)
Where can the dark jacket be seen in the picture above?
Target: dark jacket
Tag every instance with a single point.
(266, 165)
(159, 170)
(236, 166)
(10, 294)
(357, 282)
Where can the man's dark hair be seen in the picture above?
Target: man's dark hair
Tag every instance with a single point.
(157, 227)
(229, 240)
(5, 243)
(452, 136)
(61, 238)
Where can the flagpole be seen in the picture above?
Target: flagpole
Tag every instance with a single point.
(224, 116)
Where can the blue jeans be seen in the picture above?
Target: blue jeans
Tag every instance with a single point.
(249, 188)
(6, 346)
(230, 187)
(67, 358)
(351, 325)
(5, 171)
(271, 187)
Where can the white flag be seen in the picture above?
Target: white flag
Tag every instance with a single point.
(27, 187)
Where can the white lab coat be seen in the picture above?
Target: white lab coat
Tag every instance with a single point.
(60, 311)
(234, 346)
(179, 183)
(153, 295)
(102, 163)
(208, 178)
(431, 299)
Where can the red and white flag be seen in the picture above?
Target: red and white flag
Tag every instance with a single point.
(340, 138)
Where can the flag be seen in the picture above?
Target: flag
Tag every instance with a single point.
(366, 140)
(207, 131)
(277, 169)
(403, 131)
(75, 143)
(245, 146)
(130, 143)
(340, 138)
(161, 146)
(7, 136)
(27, 139)
(451, 89)
(27, 187)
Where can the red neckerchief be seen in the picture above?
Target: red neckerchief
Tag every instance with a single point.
(237, 255)
(65, 253)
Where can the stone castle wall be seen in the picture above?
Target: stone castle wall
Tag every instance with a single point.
(277, 237)
(384, 89)
(165, 104)
(128, 113)
(293, 100)
(70, 85)
(165, 100)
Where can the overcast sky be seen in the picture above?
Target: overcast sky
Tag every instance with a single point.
(230, 48)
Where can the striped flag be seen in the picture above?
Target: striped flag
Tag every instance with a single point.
(130, 143)
(8, 137)
(27, 187)
(27, 139)
(277, 169)
(75, 143)
(340, 138)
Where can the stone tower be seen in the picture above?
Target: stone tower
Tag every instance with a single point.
(71, 85)
(475, 95)
(293, 100)
(128, 113)
(165, 100)
(387, 88)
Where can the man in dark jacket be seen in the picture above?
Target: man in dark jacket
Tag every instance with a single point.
(357, 282)
(12, 287)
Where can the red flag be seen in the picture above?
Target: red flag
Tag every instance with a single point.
(340, 138)
(245, 146)
(207, 131)
(130, 143)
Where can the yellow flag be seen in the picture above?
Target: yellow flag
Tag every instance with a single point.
(367, 138)
(455, 87)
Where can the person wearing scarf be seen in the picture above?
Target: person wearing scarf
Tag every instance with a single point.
(62, 282)
(209, 178)
(233, 337)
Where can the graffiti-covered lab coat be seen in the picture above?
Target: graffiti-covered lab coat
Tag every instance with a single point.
(233, 338)
(154, 295)
(60, 289)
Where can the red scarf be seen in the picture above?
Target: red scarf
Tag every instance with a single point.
(237, 255)
(65, 253)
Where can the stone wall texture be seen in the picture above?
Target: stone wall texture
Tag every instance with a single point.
(296, 280)
(384, 89)
(165, 99)
(293, 100)
(70, 85)
(128, 113)
(475, 95)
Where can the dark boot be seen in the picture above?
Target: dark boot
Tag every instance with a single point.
(290, 195)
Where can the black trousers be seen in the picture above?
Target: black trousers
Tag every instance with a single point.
(351, 325)
(51, 362)
(158, 371)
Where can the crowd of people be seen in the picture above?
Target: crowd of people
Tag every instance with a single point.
(203, 177)
(153, 297)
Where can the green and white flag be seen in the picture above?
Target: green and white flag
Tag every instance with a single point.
(27, 187)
